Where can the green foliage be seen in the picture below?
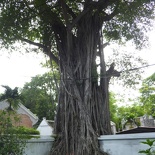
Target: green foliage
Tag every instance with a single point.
(125, 60)
(26, 131)
(149, 142)
(127, 24)
(40, 95)
(124, 113)
(114, 114)
(11, 142)
(147, 97)
(34, 19)
(150, 150)
(113, 106)
(12, 96)
(127, 114)
(68, 31)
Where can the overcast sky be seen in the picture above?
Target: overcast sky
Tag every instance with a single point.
(17, 68)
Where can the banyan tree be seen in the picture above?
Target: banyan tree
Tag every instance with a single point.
(73, 33)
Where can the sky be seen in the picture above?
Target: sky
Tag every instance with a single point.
(17, 67)
(148, 54)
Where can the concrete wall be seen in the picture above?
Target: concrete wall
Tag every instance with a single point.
(40, 146)
(125, 144)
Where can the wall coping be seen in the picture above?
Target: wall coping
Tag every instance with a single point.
(127, 136)
(103, 137)
(41, 139)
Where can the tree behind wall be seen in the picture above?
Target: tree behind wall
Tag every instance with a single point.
(40, 95)
(147, 97)
(70, 32)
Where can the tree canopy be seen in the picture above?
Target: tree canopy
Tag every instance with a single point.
(41, 20)
(40, 95)
(147, 97)
(73, 34)
(126, 114)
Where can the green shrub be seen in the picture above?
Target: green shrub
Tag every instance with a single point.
(150, 150)
(11, 142)
(27, 131)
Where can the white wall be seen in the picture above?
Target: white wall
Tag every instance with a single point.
(125, 144)
(40, 146)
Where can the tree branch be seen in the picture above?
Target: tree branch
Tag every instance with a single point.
(112, 72)
(64, 10)
(99, 6)
(32, 43)
(70, 11)
(79, 17)
(46, 50)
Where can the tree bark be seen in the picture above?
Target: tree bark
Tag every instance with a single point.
(80, 116)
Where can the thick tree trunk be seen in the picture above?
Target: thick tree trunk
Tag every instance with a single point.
(80, 117)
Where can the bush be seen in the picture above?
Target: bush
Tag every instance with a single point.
(26, 131)
(11, 142)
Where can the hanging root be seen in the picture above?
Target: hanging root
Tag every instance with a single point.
(76, 135)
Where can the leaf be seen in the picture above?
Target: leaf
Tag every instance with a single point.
(148, 142)
(145, 151)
